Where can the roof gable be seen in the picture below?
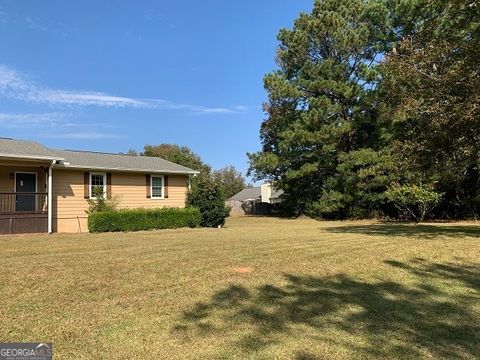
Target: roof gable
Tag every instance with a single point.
(247, 194)
(88, 160)
(26, 149)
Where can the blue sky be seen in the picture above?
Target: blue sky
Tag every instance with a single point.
(114, 75)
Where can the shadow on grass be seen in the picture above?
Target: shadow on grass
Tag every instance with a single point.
(410, 230)
(433, 315)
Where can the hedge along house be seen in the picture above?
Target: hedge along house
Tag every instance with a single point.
(46, 190)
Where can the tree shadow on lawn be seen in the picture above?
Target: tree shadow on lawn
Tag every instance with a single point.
(409, 230)
(434, 314)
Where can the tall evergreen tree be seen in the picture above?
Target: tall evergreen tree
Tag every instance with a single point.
(322, 101)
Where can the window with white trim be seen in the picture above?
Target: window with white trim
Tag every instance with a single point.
(157, 187)
(98, 181)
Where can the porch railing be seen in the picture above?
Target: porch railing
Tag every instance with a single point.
(23, 202)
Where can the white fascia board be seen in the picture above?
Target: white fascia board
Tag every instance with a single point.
(30, 157)
(156, 171)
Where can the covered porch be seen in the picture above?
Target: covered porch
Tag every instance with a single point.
(25, 196)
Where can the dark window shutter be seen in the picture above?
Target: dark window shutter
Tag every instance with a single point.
(109, 185)
(86, 184)
(165, 186)
(147, 184)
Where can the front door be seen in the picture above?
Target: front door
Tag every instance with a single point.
(25, 183)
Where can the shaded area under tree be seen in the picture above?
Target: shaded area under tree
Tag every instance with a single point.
(431, 316)
(424, 231)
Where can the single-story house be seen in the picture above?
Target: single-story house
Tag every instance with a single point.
(258, 200)
(46, 190)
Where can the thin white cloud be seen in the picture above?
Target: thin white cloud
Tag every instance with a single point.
(54, 97)
(16, 86)
(56, 125)
(30, 120)
(82, 136)
(241, 108)
(35, 25)
(205, 110)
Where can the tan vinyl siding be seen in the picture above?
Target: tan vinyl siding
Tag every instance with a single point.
(132, 193)
(70, 206)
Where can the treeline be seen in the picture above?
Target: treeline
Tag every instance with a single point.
(374, 111)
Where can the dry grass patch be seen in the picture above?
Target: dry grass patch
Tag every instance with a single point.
(243, 269)
(259, 288)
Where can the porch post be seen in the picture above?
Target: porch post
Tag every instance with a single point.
(49, 199)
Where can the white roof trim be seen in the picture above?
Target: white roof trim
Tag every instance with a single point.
(31, 157)
(157, 171)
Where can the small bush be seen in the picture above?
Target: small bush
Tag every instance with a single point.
(414, 200)
(143, 219)
(100, 202)
(207, 196)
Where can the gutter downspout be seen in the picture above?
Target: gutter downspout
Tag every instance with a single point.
(190, 181)
(49, 198)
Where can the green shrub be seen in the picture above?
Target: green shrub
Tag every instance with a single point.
(414, 200)
(207, 196)
(100, 202)
(143, 219)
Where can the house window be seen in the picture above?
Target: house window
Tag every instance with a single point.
(157, 187)
(98, 183)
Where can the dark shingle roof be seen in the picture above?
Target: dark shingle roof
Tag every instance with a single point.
(247, 194)
(23, 149)
(105, 161)
(26, 149)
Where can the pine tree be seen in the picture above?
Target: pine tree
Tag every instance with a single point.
(322, 101)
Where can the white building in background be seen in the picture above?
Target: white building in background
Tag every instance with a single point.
(255, 201)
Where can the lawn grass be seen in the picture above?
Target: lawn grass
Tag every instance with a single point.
(260, 288)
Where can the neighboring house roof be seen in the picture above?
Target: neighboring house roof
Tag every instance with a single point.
(276, 193)
(119, 162)
(23, 149)
(253, 193)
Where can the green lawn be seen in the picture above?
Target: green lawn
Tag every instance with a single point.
(261, 288)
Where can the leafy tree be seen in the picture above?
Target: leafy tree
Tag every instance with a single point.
(432, 87)
(178, 154)
(229, 180)
(132, 152)
(414, 200)
(322, 101)
(207, 196)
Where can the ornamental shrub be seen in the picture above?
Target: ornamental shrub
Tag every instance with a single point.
(143, 219)
(414, 200)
